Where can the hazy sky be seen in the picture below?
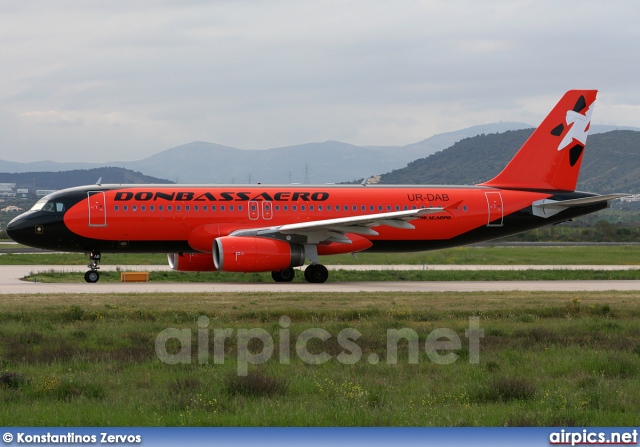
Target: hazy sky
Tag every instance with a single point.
(121, 80)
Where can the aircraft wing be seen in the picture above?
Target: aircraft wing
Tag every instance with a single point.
(334, 230)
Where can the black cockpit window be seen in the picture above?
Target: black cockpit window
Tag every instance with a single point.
(39, 204)
(48, 205)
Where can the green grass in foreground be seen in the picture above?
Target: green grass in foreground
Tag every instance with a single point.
(53, 276)
(498, 255)
(549, 359)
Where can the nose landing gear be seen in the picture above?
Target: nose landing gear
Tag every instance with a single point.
(92, 275)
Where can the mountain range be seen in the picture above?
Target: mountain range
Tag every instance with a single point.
(68, 179)
(610, 164)
(328, 162)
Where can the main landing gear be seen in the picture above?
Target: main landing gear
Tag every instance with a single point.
(284, 275)
(314, 273)
(92, 274)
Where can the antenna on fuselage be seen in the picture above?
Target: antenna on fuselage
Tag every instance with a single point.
(99, 182)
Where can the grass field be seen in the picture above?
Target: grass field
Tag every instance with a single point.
(496, 255)
(552, 359)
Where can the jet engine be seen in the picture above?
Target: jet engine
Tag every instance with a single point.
(255, 254)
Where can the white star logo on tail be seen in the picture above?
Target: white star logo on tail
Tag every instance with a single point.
(579, 130)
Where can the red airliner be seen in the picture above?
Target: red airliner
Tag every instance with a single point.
(257, 228)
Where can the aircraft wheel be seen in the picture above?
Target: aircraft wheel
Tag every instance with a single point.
(284, 275)
(91, 276)
(287, 275)
(316, 273)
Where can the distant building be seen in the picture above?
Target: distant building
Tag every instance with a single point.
(7, 187)
(44, 192)
(11, 208)
(22, 191)
(631, 198)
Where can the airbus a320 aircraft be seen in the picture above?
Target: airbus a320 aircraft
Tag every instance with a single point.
(254, 228)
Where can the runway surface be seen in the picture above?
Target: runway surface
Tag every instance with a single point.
(10, 282)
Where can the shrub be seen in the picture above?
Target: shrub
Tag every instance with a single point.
(255, 384)
(187, 385)
(506, 389)
(11, 380)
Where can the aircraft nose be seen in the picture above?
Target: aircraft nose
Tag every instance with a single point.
(18, 227)
(12, 226)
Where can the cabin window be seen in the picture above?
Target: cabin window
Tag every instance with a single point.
(464, 208)
(397, 207)
(303, 208)
(221, 207)
(310, 207)
(196, 208)
(160, 208)
(388, 207)
(152, 208)
(204, 207)
(213, 207)
(125, 208)
(406, 207)
(379, 207)
(328, 207)
(134, 208)
(286, 208)
(239, 207)
(169, 208)
(230, 207)
(115, 208)
(294, 208)
(354, 208)
(319, 207)
(143, 208)
(187, 207)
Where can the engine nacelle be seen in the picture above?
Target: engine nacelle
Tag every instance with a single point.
(255, 254)
(198, 262)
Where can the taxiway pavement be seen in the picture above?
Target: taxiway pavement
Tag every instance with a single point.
(10, 282)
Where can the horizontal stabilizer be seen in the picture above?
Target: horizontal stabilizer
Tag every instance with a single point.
(548, 208)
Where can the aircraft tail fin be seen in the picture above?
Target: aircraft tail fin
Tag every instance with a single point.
(550, 159)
